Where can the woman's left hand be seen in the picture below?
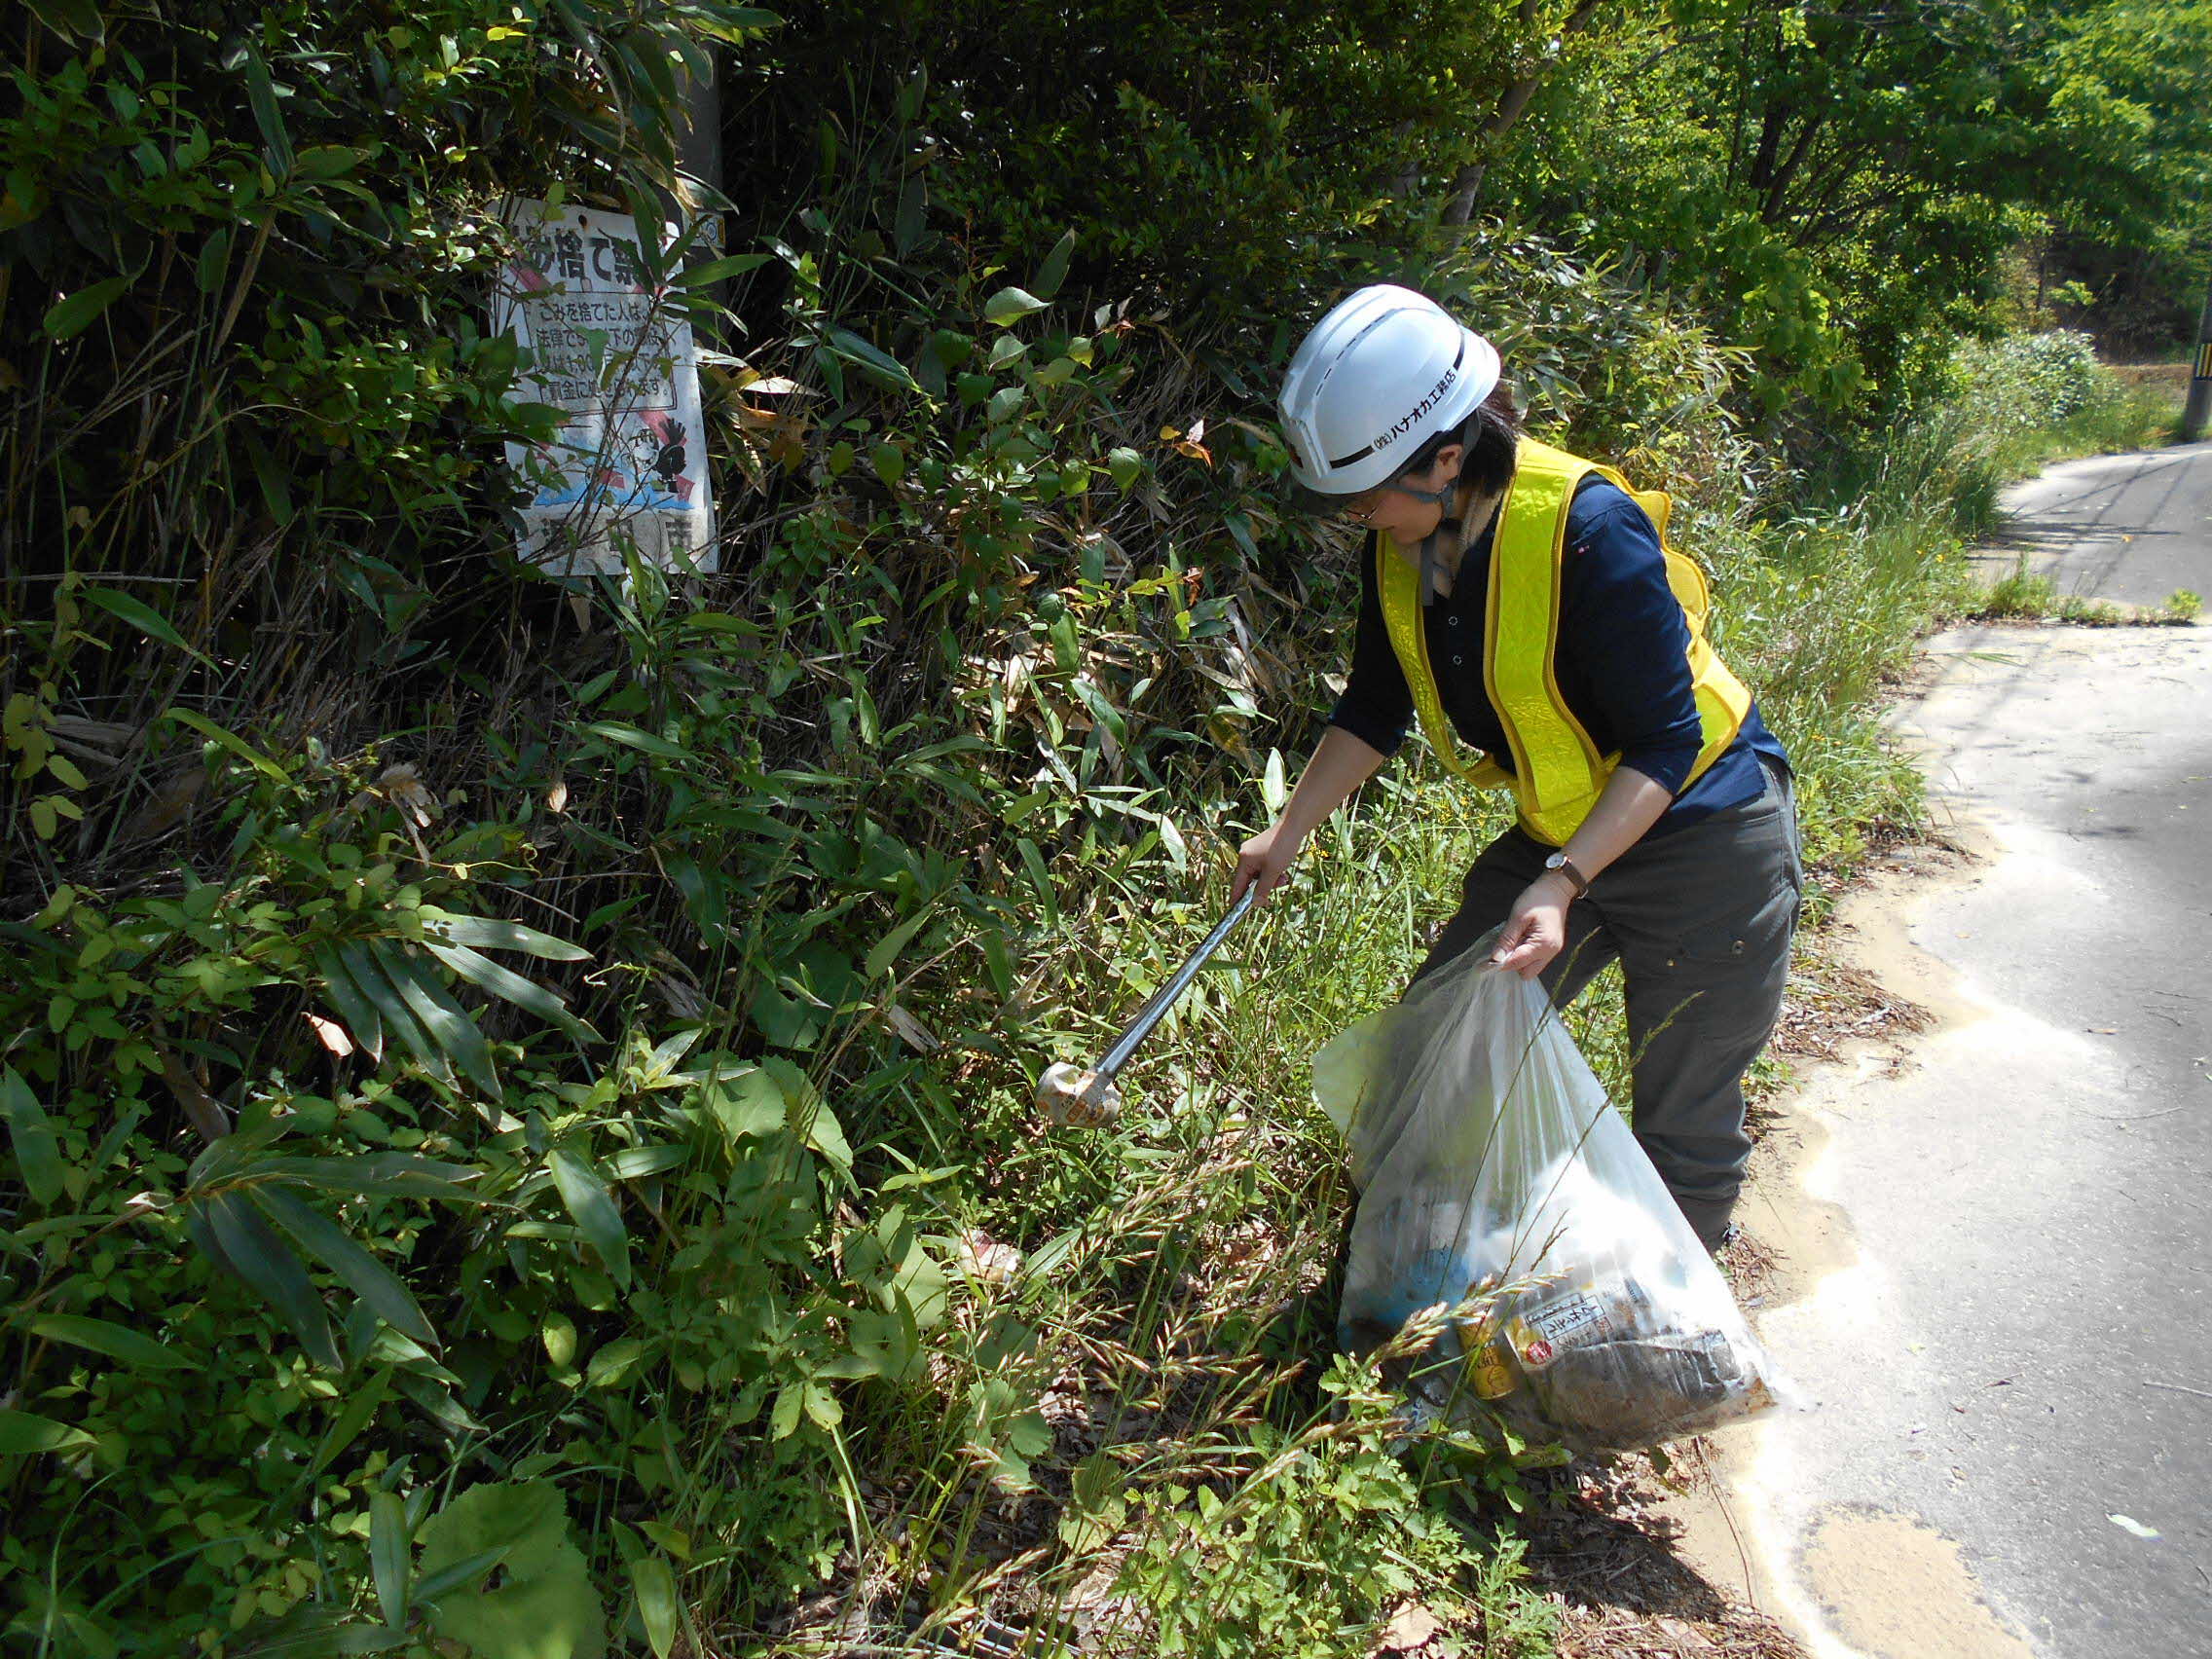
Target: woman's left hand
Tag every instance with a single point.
(1536, 929)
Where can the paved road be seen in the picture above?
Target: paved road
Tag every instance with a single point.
(2130, 527)
(2022, 1351)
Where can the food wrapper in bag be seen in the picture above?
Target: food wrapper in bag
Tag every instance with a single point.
(1497, 1182)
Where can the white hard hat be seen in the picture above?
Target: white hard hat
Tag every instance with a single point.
(1386, 369)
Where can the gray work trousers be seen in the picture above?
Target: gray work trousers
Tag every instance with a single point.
(1700, 921)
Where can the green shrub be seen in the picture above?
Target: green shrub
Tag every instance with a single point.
(2023, 382)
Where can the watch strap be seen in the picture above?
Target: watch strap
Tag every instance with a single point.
(1566, 866)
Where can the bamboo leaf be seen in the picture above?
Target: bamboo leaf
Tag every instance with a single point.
(261, 94)
(446, 1022)
(117, 1342)
(230, 741)
(912, 221)
(886, 952)
(367, 972)
(875, 363)
(505, 984)
(388, 1554)
(738, 25)
(585, 1194)
(38, 1152)
(274, 481)
(359, 1409)
(253, 1251)
(713, 271)
(1033, 861)
(358, 1012)
(395, 1173)
(488, 934)
(634, 737)
(359, 1271)
(22, 1434)
(143, 618)
(635, 1162)
(78, 18)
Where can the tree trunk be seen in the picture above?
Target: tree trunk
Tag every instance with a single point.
(1468, 183)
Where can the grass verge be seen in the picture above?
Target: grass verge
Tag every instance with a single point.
(2023, 595)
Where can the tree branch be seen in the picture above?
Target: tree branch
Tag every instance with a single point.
(1512, 105)
(1771, 214)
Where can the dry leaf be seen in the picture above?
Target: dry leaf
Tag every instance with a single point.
(402, 786)
(557, 798)
(166, 808)
(1411, 1627)
(680, 994)
(911, 1031)
(982, 1257)
(102, 734)
(204, 1111)
(333, 1035)
(1018, 1002)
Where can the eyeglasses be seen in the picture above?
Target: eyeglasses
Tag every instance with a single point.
(1362, 508)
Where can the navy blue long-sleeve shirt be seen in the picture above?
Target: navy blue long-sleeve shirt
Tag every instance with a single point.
(1622, 662)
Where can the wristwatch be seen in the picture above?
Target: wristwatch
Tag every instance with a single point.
(1566, 866)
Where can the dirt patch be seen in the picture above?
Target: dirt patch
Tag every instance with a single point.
(1833, 1004)
(2173, 376)
(1606, 1553)
(1892, 1587)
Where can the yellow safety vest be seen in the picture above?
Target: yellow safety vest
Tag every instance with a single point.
(1557, 773)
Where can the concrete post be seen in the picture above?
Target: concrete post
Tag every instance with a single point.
(699, 156)
(2199, 379)
(699, 146)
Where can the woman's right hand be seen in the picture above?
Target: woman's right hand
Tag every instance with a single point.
(1264, 860)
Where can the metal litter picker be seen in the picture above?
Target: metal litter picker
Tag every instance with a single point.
(1083, 1098)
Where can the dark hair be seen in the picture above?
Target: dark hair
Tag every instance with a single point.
(1489, 435)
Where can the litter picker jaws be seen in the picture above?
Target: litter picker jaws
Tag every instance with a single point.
(1086, 1099)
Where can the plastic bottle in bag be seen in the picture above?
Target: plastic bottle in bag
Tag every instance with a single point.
(1496, 1182)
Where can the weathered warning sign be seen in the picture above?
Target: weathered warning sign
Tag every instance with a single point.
(606, 344)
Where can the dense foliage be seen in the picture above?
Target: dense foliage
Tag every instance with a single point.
(516, 1095)
(1839, 184)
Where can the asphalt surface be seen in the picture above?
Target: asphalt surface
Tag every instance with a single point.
(2129, 528)
(2018, 1365)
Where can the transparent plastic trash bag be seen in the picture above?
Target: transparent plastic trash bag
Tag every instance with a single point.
(1497, 1182)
